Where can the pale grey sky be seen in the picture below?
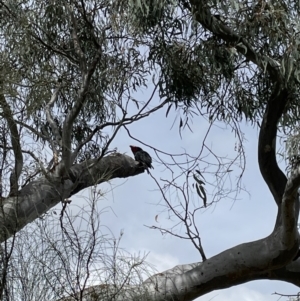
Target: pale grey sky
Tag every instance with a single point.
(135, 200)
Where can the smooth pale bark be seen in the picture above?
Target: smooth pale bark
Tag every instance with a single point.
(40, 195)
(261, 259)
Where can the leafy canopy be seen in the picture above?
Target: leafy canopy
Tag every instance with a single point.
(143, 42)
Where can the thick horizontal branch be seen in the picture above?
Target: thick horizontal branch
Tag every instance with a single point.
(40, 195)
(290, 273)
(246, 262)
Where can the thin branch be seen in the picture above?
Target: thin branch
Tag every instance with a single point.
(61, 52)
(15, 141)
(33, 130)
(75, 39)
(123, 122)
(184, 216)
(40, 163)
(53, 125)
(203, 15)
(73, 113)
(49, 117)
(112, 137)
(4, 155)
(88, 22)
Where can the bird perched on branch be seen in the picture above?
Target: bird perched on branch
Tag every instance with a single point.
(142, 157)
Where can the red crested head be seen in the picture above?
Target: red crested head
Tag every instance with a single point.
(135, 149)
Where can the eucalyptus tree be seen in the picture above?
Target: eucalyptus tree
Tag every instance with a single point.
(69, 73)
(71, 69)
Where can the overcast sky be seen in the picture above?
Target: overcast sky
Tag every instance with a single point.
(135, 202)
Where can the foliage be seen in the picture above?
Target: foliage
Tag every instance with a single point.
(38, 54)
(71, 71)
(200, 68)
(194, 66)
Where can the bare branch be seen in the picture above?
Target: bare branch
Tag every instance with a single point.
(33, 130)
(123, 122)
(184, 214)
(37, 160)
